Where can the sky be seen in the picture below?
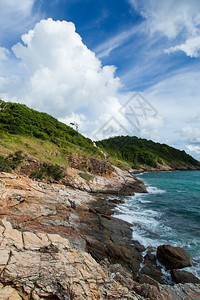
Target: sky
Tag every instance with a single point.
(114, 67)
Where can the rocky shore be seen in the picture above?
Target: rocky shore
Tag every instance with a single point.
(165, 168)
(60, 241)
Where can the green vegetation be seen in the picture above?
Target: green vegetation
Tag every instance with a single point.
(48, 172)
(137, 152)
(85, 176)
(11, 161)
(42, 137)
(18, 119)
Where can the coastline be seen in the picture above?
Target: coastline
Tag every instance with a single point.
(156, 170)
(145, 214)
(99, 243)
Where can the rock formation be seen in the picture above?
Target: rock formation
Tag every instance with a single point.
(180, 276)
(92, 175)
(57, 242)
(173, 257)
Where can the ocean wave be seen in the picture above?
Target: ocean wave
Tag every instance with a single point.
(160, 216)
(154, 190)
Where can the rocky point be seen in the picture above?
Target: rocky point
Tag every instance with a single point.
(62, 242)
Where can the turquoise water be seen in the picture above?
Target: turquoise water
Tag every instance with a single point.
(168, 214)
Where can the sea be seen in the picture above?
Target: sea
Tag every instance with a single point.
(168, 214)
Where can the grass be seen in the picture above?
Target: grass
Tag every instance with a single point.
(85, 176)
(42, 150)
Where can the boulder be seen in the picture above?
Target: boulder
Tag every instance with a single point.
(173, 257)
(180, 276)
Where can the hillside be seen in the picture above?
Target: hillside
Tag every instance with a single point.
(41, 147)
(40, 135)
(140, 152)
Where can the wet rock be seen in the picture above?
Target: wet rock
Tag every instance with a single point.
(113, 241)
(173, 257)
(116, 201)
(150, 268)
(183, 277)
(138, 247)
(147, 279)
(153, 272)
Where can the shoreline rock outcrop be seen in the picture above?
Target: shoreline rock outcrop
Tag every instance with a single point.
(44, 266)
(92, 175)
(180, 276)
(41, 265)
(58, 242)
(173, 257)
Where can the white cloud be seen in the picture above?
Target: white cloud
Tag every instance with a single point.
(180, 18)
(177, 102)
(23, 7)
(62, 74)
(191, 47)
(106, 47)
(191, 134)
(194, 148)
(58, 74)
(3, 53)
(15, 16)
(194, 151)
(170, 17)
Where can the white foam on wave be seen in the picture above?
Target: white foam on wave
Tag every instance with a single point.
(146, 223)
(154, 190)
(139, 235)
(145, 219)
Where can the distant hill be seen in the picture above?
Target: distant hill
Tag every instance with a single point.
(141, 152)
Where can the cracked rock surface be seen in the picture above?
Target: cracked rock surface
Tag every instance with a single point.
(40, 265)
(55, 245)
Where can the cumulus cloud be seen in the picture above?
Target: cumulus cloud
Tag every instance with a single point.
(61, 74)
(56, 73)
(180, 18)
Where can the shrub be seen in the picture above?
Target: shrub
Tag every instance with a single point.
(48, 172)
(85, 176)
(15, 159)
(11, 161)
(4, 164)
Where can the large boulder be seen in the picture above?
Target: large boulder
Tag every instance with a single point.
(173, 257)
(180, 276)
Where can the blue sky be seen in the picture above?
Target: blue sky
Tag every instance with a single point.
(83, 60)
